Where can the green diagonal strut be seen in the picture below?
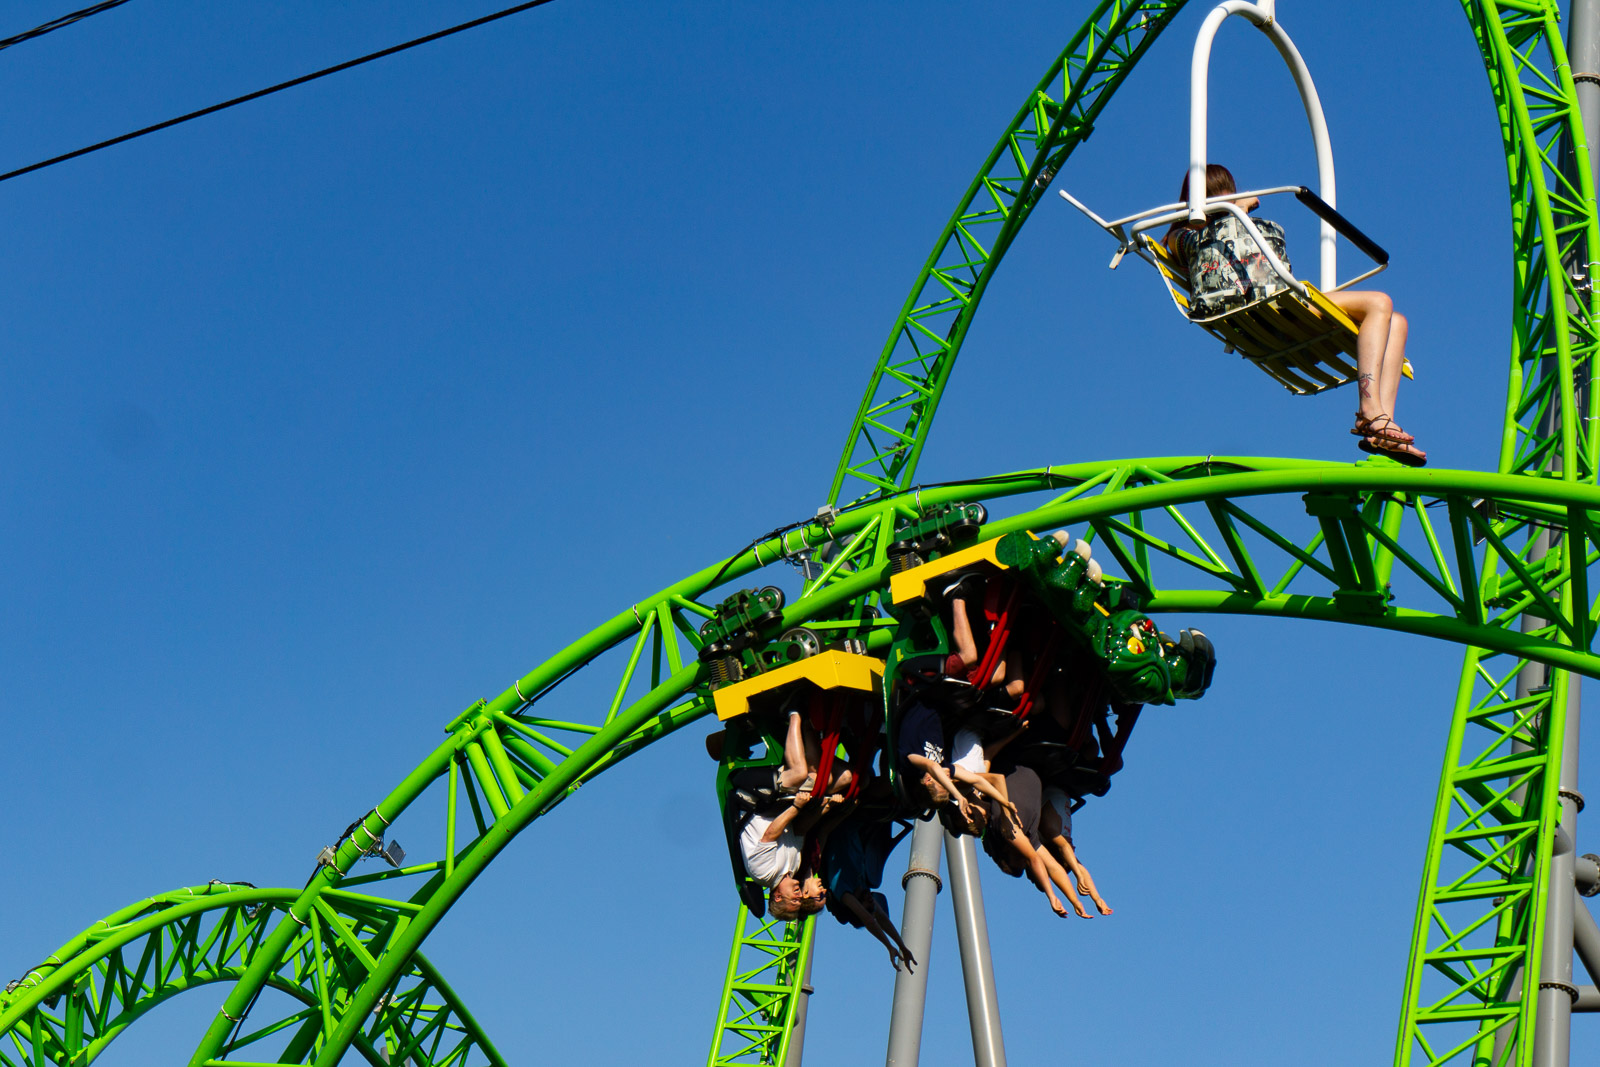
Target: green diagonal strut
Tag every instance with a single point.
(1496, 562)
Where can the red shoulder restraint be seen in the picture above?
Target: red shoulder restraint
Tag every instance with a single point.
(999, 617)
(830, 716)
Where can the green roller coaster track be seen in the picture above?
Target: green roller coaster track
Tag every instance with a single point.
(1496, 562)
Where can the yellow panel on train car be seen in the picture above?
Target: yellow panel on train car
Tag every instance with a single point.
(911, 584)
(826, 670)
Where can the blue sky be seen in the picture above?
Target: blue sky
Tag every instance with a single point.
(327, 416)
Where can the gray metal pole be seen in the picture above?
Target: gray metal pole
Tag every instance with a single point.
(922, 887)
(1583, 53)
(977, 968)
(1552, 1035)
(797, 1035)
(1586, 939)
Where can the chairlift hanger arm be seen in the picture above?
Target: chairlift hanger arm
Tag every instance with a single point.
(1210, 204)
(1329, 214)
(1264, 17)
(1166, 214)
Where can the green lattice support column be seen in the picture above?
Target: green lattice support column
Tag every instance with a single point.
(762, 990)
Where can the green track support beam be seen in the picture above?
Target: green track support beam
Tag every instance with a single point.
(70, 1008)
(761, 993)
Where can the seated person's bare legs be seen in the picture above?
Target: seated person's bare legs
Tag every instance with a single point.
(1039, 874)
(1058, 875)
(1085, 880)
(1380, 356)
(881, 927)
(887, 924)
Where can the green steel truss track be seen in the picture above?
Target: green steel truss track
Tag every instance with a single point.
(1553, 332)
(1455, 555)
(895, 415)
(1242, 535)
(86, 993)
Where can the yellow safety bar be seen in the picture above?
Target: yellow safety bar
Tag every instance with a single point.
(911, 584)
(826, 670)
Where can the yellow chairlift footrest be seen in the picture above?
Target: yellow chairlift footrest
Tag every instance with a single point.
(826, 670)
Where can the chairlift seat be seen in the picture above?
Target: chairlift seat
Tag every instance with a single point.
(1306, 345)
(1297, 336)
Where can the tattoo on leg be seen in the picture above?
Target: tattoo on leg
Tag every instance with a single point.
(1364, 383)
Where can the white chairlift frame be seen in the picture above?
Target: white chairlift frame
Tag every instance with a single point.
(1263, 16)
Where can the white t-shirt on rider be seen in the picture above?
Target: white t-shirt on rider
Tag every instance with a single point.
(968, 751)
(768, 861)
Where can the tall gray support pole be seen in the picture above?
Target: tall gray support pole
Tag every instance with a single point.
(1552, 1035)
(1583, 53)
(1586, 939)
(972, 934)
(916, 927)
(797, 1035)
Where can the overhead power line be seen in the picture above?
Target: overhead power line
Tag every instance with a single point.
(56, 24)
(269, 90)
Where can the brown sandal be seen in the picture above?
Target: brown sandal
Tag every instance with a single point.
(1400, 451)
(1381, 426)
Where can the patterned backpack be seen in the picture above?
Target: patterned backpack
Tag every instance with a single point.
(1227, 269)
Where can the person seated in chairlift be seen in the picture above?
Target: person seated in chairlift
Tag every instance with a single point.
(1055, 830)
(1227, 269)
(1015, 846)
(922, 763)
(853, 863)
